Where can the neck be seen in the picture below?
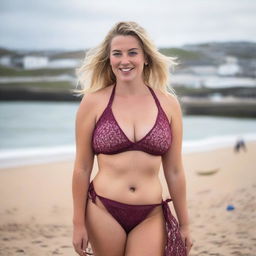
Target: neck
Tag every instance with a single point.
(131, 88)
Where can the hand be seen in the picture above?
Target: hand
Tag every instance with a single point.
(80, 240)
(185, 235)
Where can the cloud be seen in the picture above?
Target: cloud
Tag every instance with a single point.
(81, 24)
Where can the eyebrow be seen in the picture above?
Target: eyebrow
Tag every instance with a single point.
(128, 50)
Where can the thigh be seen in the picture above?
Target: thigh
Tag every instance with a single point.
(106, 236)
(149, 237)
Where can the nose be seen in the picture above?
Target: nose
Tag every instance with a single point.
(125, 59)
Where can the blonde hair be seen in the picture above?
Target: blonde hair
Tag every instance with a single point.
(96, 73)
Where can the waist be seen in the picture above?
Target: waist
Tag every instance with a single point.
(128, 189)
(129, 162)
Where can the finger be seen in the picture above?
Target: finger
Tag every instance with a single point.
(76, 247)
(79, 251)
(84, 244)
(183, 238)
(83, 253)
(185, 241)
(188, 248)
(85, 249)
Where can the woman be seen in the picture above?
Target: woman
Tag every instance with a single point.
(130, 121)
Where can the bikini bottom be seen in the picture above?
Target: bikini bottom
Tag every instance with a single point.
(129, 216)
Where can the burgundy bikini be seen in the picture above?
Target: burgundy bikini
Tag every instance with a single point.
(108, 138)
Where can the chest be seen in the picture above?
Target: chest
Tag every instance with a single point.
(135, 117)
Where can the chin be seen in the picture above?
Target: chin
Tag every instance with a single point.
(124, 79)
(127, 80)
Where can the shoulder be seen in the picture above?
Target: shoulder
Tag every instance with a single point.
(173, 101)
(170, 103)
(92, 102)
(95, 97)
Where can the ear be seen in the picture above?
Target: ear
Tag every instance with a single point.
(146, 60)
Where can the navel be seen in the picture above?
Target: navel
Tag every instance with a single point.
(132, 188)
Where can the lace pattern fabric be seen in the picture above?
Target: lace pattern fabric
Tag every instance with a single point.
(174, 245)
(109, 138)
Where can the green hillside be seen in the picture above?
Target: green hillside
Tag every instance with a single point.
(12, 72)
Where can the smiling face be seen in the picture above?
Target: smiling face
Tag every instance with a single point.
(127, 58)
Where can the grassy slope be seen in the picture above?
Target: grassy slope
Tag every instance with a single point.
(53, 85)
(180, 53)
(12, 72)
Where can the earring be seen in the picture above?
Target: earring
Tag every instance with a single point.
(146, 64)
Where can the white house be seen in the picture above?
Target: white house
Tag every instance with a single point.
(34, 62)
(230, 68)
(31, 62)
(204, 70)
(5, 60)
(64, 63)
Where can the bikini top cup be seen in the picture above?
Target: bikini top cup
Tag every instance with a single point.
(109, 138)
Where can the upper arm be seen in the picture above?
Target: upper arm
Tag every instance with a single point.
(172, 159)
(84, 125)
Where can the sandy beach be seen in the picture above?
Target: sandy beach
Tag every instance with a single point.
(36, 205)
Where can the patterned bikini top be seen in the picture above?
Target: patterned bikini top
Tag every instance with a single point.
(109, 138)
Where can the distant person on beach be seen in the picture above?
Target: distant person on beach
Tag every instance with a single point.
(129, 120)
(240, 144)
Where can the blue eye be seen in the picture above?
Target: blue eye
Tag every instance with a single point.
(130, 53)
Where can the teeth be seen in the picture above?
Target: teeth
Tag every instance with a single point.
(126, 69)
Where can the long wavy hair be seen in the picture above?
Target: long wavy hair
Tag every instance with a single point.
(96, 73)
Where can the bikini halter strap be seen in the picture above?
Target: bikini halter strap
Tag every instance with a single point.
(112, 96)
(150, 89)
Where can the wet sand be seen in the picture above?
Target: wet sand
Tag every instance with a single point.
(36, 205)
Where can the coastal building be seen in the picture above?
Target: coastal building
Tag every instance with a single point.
(5, 60)
(35, 62)
(230, 68)
(64, 63)
(204, 70)
(30, 62)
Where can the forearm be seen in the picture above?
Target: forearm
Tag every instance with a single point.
(177, 187)
(80, 183)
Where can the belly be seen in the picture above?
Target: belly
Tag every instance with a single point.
(129, 177)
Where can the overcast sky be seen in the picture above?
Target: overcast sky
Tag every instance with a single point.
(80, 24)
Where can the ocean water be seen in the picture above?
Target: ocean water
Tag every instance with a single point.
(35, 132)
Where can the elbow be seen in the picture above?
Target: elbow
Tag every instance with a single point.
(82, 170)
(82, 166)
(174, 171)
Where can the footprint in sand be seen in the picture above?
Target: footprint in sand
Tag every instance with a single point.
(20, 251)
(11, 211)
(36, 242)
(66, 246)
(57, 252)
